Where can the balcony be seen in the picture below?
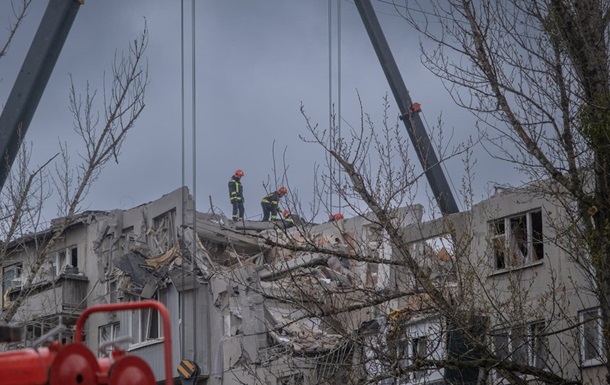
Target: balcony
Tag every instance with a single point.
(64, 294)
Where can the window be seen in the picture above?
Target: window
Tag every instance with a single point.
(74, 256)
(107, 333)
(11, 278)
(419, 351)
(57, 262)
(410, 351)
(539, 352)
(501, 345)
(517, 240)
(165, 230)
(591, 336)
(523, 345)
(435, 256)
(126, 240)
(146, 323)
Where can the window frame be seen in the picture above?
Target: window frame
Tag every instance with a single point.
(599, 359)
(530, 336)
(18, 267)
(58, 260)
(115, 331)
(164, 226)
(409, 349)
(507, 249)
(415, 350)
(143, 320)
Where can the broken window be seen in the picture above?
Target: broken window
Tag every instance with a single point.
(419, 351)
(106, 334)
(57, 262)
(146, 323)
(126, 240)
(165, 230)
(435, 256)
(410, 352)
(74, 256)
(11, 279)
(591, 336)
(517, 240)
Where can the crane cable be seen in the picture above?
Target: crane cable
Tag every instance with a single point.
(183, 164)
(194, 168)
(339, 99)
(183, 181)
(335, 135)
(330, 105)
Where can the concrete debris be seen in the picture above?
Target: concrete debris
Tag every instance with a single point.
(302, 335)
(272, 290)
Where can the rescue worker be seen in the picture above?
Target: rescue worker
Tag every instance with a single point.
(270, 203)
(335, 217)
(236, 196)
(291, 220)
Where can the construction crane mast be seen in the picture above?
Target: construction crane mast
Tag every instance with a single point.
(33, 77)
(409, 112)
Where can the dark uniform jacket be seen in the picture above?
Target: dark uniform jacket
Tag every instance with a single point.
(293, 220)
(236, 191)
(273, 198)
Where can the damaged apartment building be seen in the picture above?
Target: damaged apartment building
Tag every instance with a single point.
(255, 303)
(240, 297)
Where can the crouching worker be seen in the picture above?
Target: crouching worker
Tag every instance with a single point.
(270, 203)
(291, 220)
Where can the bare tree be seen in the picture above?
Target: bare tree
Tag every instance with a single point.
(536, 75)
(19, 12)
(388, 297)
(102, 125)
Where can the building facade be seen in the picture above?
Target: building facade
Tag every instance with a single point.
(322, 303)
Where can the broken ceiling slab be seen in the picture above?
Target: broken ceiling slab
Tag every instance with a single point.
(282, 268)
(302, 334)
(203, 260)
(258, 225)
(217, 233)
(135, 266)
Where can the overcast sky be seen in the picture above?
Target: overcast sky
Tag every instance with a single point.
(256, 61)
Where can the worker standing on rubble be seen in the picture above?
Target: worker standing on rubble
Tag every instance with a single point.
(236, 195)
(291, 220)
(270, 203)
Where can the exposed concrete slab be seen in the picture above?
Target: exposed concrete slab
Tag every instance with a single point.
(281, 268)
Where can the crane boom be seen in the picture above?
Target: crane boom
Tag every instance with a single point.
(413, 123)
(33, 77)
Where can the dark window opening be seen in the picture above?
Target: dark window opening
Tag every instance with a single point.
(74, 257)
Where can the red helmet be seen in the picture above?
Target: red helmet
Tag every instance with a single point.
(282, 190)
(338, 216)
(286, 213)
(238, 173)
